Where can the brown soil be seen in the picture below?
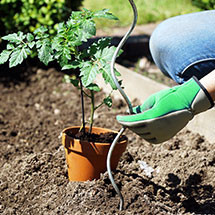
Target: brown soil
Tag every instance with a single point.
(35, 108)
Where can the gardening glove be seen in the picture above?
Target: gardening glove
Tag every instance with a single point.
(165, 113)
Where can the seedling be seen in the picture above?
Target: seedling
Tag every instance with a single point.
(82, 65)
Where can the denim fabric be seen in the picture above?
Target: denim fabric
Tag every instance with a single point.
(184, 46)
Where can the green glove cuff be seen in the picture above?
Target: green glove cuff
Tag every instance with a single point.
(205, 91)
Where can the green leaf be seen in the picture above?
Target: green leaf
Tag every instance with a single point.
(10, 46)
(31, 44)
(41, 33)
(63, 55)
(106, 74)
(4, 56)
(45, 52)
(81, 36)
(72, 65)
(42, 36)
(76, 15)
(61, 28)
(11, 37)
(88, 73)
(41, 29)
(39, 43)
(98, 46)
(18, 56)
(104, 42)
(108, 101)
(106, 54)
(75, 82)
(57, 42)
(93, 87)
(105, 14)
(89, 28)
(15, 37)
(30, 37)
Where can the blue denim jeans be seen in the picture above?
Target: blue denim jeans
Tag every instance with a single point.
(184, 46)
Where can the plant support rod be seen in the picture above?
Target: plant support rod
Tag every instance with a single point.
(122, 42)
(109, 168)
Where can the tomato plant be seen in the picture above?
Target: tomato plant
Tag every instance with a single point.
(64, 47)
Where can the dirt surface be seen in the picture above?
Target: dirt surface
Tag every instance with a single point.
(176, 177)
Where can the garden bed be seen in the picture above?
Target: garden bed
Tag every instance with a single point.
(34, 109)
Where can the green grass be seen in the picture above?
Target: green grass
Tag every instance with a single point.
(148, 10)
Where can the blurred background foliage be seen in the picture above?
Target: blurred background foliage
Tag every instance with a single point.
(149, 11)
(27, 15)
(204, 4)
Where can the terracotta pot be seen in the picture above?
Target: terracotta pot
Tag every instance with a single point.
(86, 160)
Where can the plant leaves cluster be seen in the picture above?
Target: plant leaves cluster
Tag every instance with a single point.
(63, 47)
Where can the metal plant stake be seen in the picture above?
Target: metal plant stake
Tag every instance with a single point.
(122, 42)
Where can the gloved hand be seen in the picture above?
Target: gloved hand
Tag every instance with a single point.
(165, 113)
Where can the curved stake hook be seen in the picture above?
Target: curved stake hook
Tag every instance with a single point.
(122, 42)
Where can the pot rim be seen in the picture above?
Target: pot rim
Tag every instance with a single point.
(99, 128)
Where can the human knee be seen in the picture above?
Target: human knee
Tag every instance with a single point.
(160, 45)
(162, 37)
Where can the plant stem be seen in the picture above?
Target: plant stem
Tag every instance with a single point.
(92, 110)
(82, 107)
